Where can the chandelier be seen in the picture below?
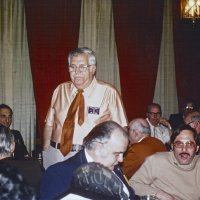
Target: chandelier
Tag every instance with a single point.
(190, 9)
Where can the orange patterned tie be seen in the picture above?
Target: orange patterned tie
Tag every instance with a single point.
(68, 126)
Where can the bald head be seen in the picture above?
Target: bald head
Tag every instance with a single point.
(138, 128)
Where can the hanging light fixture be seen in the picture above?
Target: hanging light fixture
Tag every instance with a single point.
(190, 9)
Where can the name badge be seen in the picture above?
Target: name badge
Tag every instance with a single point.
(93, 110)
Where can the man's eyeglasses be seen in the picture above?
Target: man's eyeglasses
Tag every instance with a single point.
(82, 68)
(188, 144)
(155, 113)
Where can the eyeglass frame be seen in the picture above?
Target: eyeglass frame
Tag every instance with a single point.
(155, 113)
(188, 144)
(81, 67)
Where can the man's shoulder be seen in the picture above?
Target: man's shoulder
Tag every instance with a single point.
(67, 84)
(106, 85)
(159, 156)
(69, 164)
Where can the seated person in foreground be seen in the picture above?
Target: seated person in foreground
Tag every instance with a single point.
(6, 114)
(12, 185)
(141, 146)
(172, 175)
(94, 181)
(29, 168)
(105, 144)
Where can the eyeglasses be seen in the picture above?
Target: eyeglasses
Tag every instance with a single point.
(155, 113)
(82, 67)
(188, 144)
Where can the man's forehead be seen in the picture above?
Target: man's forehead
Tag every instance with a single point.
(5, 110)
(185, 135)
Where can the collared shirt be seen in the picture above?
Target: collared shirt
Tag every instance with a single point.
(161, 132)
(102, 103)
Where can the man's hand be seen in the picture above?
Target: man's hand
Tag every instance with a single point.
(165, 122)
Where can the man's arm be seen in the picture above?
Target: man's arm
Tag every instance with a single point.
(47, 136)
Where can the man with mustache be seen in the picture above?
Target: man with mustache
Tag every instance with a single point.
(172, 175)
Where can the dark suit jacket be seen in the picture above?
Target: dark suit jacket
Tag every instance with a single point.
(137, 153)
(20, 148)
(176, 120)
(57, 178)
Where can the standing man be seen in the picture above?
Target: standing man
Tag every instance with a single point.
(105, 144)
(77, 106)
(141, 146)
(160, 127)
(172, 175)
(6, 114)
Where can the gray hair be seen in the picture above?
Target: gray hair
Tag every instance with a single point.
(83, 50)
(141, 125)
(6, 140)
(101, 133)
(195, 118)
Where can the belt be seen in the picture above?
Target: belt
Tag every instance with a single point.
(75, 147)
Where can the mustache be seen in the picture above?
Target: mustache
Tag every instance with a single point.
(183, 153)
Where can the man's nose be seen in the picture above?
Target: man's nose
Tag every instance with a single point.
(77, 70)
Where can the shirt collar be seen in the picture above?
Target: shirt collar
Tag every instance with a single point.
(88, 157)
(88, 90)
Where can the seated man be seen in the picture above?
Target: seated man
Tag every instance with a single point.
(172, 175)
(160, 127)
(177, 119)
(6, 113)
(195, 123)
(29, 168)
(141, 146)
(105, 144)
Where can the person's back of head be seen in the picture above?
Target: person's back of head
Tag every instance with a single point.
(98, 179)
(12, 184)
(138, 128)
(7, 143)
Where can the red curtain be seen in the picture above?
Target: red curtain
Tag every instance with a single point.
(187, 55)
(138, 28)
(53, 30)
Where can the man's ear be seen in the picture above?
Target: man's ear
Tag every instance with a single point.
(12, 147)
(94, 69)
(197, 149)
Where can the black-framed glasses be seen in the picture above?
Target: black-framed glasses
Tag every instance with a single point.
(188, 144)
(81, 67)
(155, 113)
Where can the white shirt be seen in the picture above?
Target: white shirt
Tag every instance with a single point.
(160, 131)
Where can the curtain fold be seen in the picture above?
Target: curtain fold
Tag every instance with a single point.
(138, 28)
(53, 29)
(97, 32)
(165, 91)
(16, 88)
